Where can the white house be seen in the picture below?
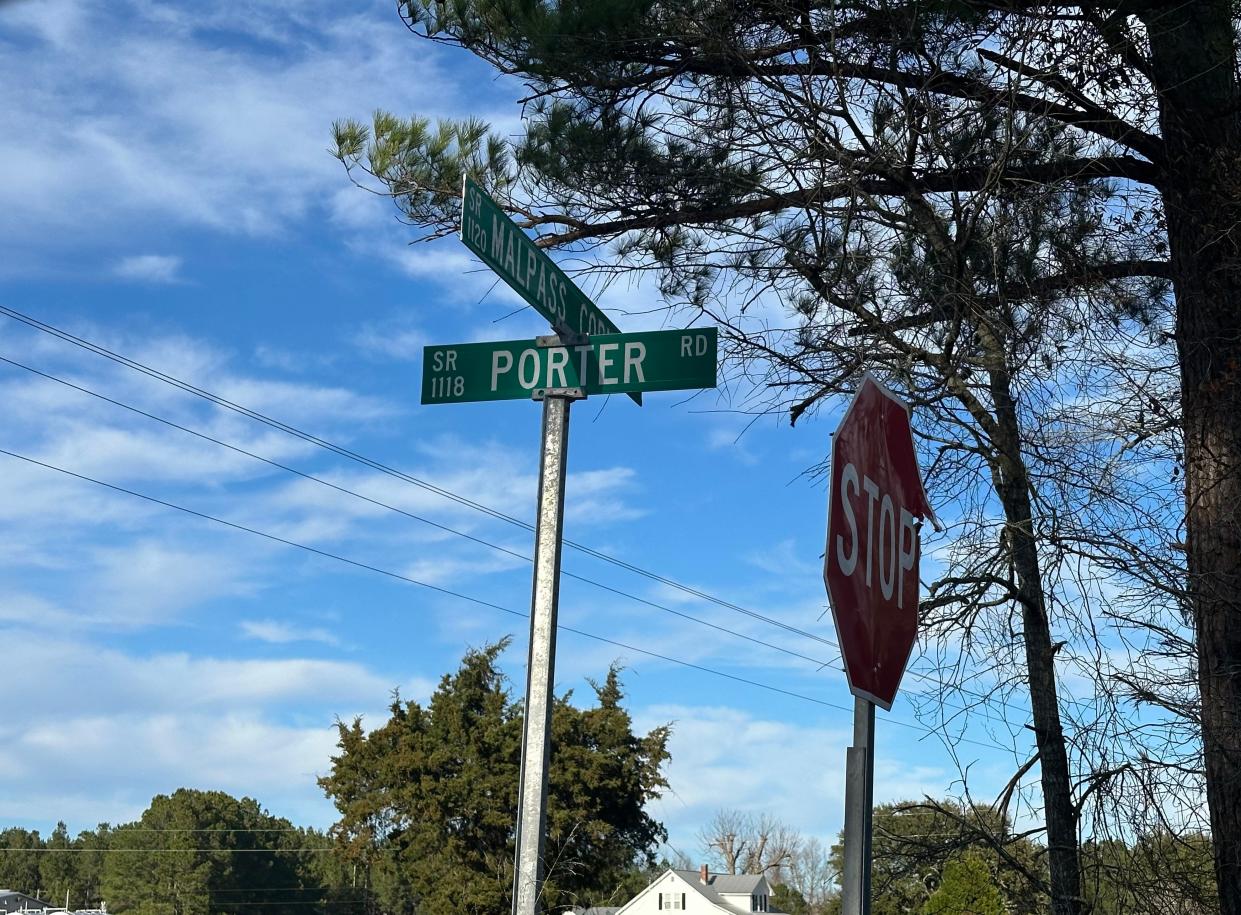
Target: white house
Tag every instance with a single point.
(700, 893)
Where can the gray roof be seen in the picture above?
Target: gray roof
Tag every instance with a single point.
(12, 901)
(599, 910)
(722, 883)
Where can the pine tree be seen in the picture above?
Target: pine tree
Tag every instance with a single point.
(428, 799)
(207, 853)
(58, 870)
(19, 860)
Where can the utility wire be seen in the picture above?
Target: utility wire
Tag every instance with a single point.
(478, 601)
(383, 468)
(161, 850)
(128, 828)
(408, 514)
(486, 543)
(445, 493)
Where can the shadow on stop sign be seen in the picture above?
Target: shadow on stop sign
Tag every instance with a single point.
(870, 567)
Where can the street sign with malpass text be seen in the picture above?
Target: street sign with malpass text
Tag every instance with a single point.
(512, 254)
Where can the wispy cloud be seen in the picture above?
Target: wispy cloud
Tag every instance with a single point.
(282, 633)
(397, 339)
(154, 722)
(179, 126)
(149, 268)
(714, 749)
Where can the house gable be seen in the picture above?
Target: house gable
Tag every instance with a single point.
(684, 891)
(749, 895)
(672, 891)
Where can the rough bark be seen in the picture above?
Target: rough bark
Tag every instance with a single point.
(1194, 55)
(1012, 484)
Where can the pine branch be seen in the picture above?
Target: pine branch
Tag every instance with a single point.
(946, 181)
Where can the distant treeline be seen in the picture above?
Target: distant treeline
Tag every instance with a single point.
(191, 853)
(425, 826)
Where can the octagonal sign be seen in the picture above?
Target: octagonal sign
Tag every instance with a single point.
(870, 566)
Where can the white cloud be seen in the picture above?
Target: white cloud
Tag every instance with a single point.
(597, 496)
(149, 268)
(132, 725)
(787, 559)
(282, 633)
(147, 581)
(399, 340)
(443, 569)
(218, 118)
(137, 756)
(726, 758)
(296, 403)
(273, 357)
(175, 682)
(728, 437)
(17, 607)
(448, 265)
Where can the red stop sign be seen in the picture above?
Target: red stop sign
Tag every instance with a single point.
(871, 563)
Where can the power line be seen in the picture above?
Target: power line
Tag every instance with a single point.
(128, 828)
(408, 514)
(161, 850)
(461, 596)
(445, 493)
(251, 890)
(482, 542)
(137, 366)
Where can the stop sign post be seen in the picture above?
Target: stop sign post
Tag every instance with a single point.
(870, 568)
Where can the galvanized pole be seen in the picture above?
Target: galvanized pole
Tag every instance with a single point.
(859, 803)
(541, 663)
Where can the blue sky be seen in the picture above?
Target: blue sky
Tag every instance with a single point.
(168, 194)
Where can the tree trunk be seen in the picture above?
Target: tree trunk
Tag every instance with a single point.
(1012, 483)
(1194, 54)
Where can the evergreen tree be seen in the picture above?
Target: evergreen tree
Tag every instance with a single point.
(207, 853)
(786, 899)
(58, 870)
(428, 800)
(914, 843)
(19, 860)
(90, 854)
(966, 889)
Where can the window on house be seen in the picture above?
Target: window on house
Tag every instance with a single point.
(671, 901)
(758, 903)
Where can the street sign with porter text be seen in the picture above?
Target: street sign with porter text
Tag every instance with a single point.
(661, 360)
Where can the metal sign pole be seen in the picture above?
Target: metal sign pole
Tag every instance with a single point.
(859, 803)
(541, 663)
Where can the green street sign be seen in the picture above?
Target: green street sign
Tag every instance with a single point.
(501, 245)
(662, 360)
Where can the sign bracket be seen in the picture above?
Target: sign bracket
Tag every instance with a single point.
(566, 338)
(567, 393)
(563, 337)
